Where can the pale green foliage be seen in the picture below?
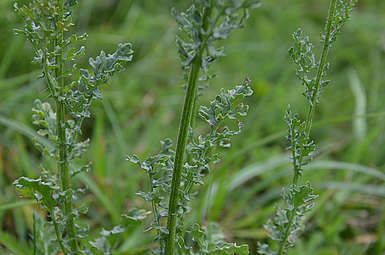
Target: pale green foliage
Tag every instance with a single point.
(309, 71)
(204, 23)
(44, 240)
(299, 198)
(44, 189)
(301, 145)
(201, 149)
(172, 176)
(227, 105)
(302, 55)
(210, 241)
(104, 244)
(159, 170)
(71, 89)
(200, 26)
(341, 15)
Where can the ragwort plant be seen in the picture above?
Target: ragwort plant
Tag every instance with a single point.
(71, 90)
(174, 176)
(298, 196)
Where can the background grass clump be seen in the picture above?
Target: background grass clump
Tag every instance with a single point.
(142, 106)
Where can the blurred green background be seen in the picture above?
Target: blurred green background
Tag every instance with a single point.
(142, 105)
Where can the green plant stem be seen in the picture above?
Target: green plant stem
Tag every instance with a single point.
(321, 68)
(60, 125)
(57, 232)
(187, 115)
(309, 118)
(154, 208)
(189, 177)
(65, 175)
(287, 232)
(34, 231)
(179, 155)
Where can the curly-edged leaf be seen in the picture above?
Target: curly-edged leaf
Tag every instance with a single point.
(204, 23)
(102, 245)
(232, 249)
(104, 66)
(84, 169)
(287, 221)
(39, 189)
(210, 240)
(224, 106)
(264, 249)
(70, 3)
(44, 117)
(135, 217)
(344, 9)
(301, 145)
(302, 55)
(114, 231)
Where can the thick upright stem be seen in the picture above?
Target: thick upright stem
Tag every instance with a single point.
(65, 175)
(63, 165)
(179, 154)
(185, 122)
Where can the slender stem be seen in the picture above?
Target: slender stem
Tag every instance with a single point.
(63, 165)
(293, 151)
(154, 208)
(34, 234)
(321, 68)
(58, 237)
(185, 122)
(309, 118)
